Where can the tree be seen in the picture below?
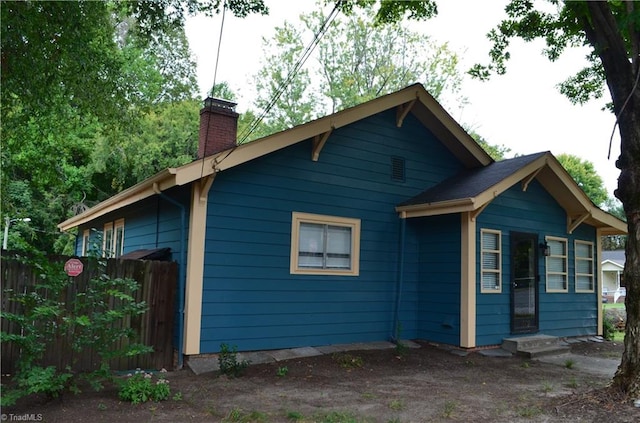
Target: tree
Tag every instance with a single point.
(585, 175)
(78, 78)
(611, 30)
(356, 62)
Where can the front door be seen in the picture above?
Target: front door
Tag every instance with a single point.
(524, 283)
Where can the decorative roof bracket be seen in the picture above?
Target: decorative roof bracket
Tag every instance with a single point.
(318, 143)
(403, 111)
(526, 181)
(572, 224)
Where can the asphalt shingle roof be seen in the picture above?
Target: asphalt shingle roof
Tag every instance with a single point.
(473, 182)
(616, 256)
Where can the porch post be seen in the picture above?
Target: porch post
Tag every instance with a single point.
(468, 281)
(598, 274)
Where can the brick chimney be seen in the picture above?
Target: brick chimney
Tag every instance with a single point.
(218, 126)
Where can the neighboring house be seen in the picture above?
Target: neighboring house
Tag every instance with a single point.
(613, 288)
(381, 221)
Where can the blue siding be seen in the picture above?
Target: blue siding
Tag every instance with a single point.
(252, 301)
(151, 223)
(560, 314)
(439, 285)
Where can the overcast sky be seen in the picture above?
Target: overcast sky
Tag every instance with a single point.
(522, 110)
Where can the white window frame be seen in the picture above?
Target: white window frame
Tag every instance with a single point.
(298, 218)
(107, 241)
(110, 244)
(86, 234)
(578, 258)
(565, 258)
(498, 253)
(118, 238)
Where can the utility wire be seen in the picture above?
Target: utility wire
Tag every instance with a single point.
(213, 87)
(292, 73)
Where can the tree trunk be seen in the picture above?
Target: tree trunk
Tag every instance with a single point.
(623, 76)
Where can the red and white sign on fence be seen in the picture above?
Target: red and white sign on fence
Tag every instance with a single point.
(73, 267)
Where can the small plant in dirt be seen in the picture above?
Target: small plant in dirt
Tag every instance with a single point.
(449, 408)
(529, 412)
(547, 387)
(237, 415)
(396, 404)
(228, 361)
(348, 361)
(295, 416)
(573, 383)
(569, 364)
(141, 387)
(526, 365)
(282, 371)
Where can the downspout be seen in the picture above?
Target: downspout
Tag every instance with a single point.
(181, 268)
(395, 337)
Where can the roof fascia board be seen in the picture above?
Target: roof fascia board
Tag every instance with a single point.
(439, 208)
(164, 180)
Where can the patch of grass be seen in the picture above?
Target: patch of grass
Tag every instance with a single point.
(348, 361)
(573, 383)
(618, 336)
(396, 404)
(295, 416)
(569, 364)
(237, 415)
(529, 412)
(336, 417)
(526, 365)
(368, 395)
(547, 387)
(449, 408)
(102, 407)
(612, 305)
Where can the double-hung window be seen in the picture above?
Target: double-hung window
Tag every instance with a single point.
(557, 263)
(584, 266)
(491, 259)
(113, 239)
(324, 245)
(85, 242)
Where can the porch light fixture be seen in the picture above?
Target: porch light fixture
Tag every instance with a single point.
(544, 249)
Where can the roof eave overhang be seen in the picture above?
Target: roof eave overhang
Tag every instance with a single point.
(437, 208)
(161, 181)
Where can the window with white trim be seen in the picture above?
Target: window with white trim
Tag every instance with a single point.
(557, 264)
(491, 261)
(584, 266)
(323, 245)
(113, 239)
(85, 242)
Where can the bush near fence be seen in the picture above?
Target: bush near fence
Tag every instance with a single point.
(157, 286)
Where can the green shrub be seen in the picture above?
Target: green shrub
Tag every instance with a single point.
(228, 361)
(141, 387)
(608, 330)
(90, 322)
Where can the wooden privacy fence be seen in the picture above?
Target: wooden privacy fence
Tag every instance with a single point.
(157, 285)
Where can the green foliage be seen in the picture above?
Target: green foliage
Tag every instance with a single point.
(282, 371)
(141, 387)
(357, 61)
(228, 361)
(608, 329)
(348, 361)
(91, 321)
(585, 175)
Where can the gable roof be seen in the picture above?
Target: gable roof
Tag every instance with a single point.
(472, 190)
(412, 99)
(617, 257)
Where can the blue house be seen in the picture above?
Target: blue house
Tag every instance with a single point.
(381, 221)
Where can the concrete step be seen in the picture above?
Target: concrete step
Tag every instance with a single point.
(535, 346)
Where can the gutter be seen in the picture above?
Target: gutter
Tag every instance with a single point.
(395, 331)
(181, 269)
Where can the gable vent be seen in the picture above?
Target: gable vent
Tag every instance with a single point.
(397, 169)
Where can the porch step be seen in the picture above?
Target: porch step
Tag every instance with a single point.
(535, 346)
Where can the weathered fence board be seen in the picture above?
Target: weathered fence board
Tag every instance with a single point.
(157, 282)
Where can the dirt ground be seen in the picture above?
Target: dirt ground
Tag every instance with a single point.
(428, 384)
